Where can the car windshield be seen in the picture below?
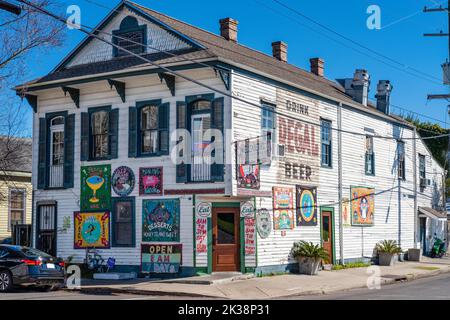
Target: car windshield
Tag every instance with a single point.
(34, 253)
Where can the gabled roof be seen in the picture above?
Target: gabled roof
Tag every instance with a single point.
(211, 46)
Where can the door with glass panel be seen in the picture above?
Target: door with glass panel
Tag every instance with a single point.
(56, 172)
(226, 246)
(201, 162)
(46, 228)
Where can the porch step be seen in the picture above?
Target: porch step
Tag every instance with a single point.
(115, 276)
(214, 278)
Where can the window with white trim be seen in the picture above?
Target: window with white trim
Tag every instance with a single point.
(16, 207)
(56, 174)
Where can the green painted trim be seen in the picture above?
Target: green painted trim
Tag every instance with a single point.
(329, 209)
(201, 270)
(256, 235)
(194, 247)
(210, 245)
(250, 269)
(226, 205)
(242, 243)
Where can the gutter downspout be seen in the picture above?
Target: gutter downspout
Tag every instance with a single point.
(341, 227)
(416, 213)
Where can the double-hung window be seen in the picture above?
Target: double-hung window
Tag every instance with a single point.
(370, 156)
(422, 171)
(401, 160)
(99, 134)
(267, 127)
(56, 172)
(326, 137)
(16, 207)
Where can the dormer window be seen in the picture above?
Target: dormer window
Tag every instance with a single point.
(131, 36)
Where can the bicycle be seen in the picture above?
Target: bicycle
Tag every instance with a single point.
(94, 261)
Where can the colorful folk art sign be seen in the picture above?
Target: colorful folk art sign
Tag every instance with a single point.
(306, 206)
(161, 220)
(151, 181)
(250, 236)
(346, 215)
(362, 206)
(263, 223)
(283, 208)
(91, 230)
(203, 213)
(247, 210)
(95, 193)
(161, 258)
(123, 181)
(249, 177)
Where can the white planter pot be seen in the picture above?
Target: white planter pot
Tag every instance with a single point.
(309, 266)
(387, 259)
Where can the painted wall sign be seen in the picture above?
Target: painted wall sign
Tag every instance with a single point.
(204, 209)
(123, 181)
(362, 206)
(249, 177)
(250, 236)
(283, 208)
(95, 193)
(247, 210)
(263, 223)
(297, 171)
(297, 107)
(298, 137)
(306, 206)
(161, 220)
(346, 216)
(151, 181)
(91, 230)
(161, 258)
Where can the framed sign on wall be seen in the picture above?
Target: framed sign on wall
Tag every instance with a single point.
(91, 230)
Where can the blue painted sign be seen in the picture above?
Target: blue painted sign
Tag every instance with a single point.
(161, 220)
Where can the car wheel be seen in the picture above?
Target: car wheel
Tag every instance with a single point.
(6, 281)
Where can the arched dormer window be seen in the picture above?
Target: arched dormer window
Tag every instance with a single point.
(130, 36)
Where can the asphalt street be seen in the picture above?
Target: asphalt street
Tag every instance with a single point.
(434, 288)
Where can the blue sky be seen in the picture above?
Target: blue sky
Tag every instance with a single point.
(263, 21)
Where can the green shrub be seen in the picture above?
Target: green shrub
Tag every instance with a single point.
(309, 249)
(388, 246)
(351, 265)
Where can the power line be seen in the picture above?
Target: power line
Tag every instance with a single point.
(209, 66)
(168, 70)
(355, 42)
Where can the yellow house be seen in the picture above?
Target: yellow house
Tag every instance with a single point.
(16, 192)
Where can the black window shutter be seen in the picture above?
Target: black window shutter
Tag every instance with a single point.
(113, 133)
(42, 157)
(69, 143)
(217, 169)
(84, 143)
(132, 132)
(163, 126)
(182, 169)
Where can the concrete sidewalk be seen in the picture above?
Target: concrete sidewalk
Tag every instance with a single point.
(280, 286)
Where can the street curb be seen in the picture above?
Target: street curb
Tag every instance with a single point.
(108, 290)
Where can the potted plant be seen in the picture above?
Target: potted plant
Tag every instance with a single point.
(309, 256)
(387, 252)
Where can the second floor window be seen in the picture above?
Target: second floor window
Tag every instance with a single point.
(16, 208)
(401, 160)
(369, 156)
(100, 134)
(56, 170)
(131, 37)
(422, 170)
(325, 126)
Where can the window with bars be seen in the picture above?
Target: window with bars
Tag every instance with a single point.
(16, 208)
(369, 156)
(326, 143)
(401, 160)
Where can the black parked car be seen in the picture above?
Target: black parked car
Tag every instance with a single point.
(23, 265)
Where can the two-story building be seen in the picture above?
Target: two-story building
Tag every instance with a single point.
(176, 150)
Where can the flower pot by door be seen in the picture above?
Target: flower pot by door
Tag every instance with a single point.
(386, 259)
(309, 266)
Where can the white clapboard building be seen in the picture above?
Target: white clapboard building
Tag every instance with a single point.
(176, 150)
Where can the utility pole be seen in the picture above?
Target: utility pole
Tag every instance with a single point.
(4, 5)
(446, 78)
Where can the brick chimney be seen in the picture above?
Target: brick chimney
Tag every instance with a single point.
(279, 50)
(383, 96)
(228, 29)
(317, 66)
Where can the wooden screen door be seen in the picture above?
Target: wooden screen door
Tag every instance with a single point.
(327, 234)
(226, 246)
